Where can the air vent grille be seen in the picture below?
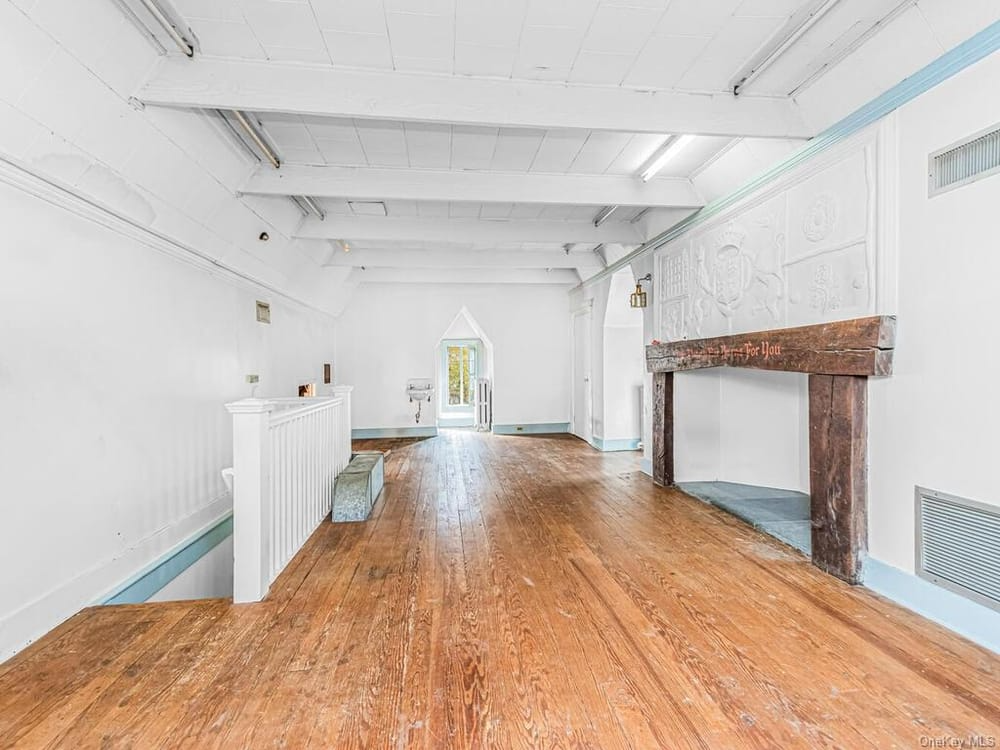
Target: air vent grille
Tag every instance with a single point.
(958, 545)
(966, 161)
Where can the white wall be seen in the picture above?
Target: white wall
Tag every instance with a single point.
(934, 422)
(697, 427)
(764, 428)
(389, 333)
(115, 363)
(624, 362)
(67, 72)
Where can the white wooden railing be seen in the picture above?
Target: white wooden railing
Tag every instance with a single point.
(287, 453)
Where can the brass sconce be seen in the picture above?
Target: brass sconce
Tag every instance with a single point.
(638, 297)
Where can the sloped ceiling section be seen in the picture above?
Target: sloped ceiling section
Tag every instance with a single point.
(437, 140)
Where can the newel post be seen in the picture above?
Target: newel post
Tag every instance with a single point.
(345, 447)
(344, 392)
(251, 498)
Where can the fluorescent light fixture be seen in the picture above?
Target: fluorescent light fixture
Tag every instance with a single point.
(236, 135)
(792, 31)
(254, 135)
(638, 217)
(598, 250)
(313, 207)
(308, 206)
(140, 26)
(182, 44)
(673, 146)
(834, 54)
(299, 205)
(604, 214)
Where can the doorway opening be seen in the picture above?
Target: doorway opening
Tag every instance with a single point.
(459, 378)
(464, 367)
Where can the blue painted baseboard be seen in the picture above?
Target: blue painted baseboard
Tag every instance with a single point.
(394, 432)
(976, 622)
(158, 574)
(538, 428)
(619, 444)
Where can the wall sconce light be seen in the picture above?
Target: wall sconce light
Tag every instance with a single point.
(638, 297)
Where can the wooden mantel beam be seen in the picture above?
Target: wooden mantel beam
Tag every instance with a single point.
(862, 346)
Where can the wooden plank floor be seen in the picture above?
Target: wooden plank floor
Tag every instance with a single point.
(512, 592)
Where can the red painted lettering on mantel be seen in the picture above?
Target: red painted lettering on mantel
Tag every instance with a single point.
(765, 349)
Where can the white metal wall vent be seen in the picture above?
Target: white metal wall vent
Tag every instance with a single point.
(970, 159)
(958, 545)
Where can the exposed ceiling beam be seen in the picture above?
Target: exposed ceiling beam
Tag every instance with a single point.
(261, 86)
(360, 228)
(379, 183)
(484, 259)
(561, 276)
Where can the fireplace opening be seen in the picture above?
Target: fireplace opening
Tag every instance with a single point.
(753, 461)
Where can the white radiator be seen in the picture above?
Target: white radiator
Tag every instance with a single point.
(484, 404)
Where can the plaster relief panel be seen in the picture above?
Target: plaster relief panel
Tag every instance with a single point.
(737, 273)
(830, 209)
(803, 253)
(675, 272)
(673, 320)
(830, 286)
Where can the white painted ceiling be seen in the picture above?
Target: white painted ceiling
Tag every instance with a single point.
(694, 49)
(391, 143)
(683, 44)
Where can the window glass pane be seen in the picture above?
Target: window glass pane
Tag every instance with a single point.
(461, 363)
(454, 375)
(470, 380)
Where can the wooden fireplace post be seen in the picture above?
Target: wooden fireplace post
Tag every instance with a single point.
(663, 428)
(838, 473)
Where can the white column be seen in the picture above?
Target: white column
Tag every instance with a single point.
(251, 498)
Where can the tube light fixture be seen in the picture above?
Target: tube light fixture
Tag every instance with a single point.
(796, 27)
(254, 135)
(236, 135)
(140, 26)
(299, 205)
(313, 207)
(604, 214)
(673, 146)
(638, 217)
(597, 250)
(828, 63)
(183, 44)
